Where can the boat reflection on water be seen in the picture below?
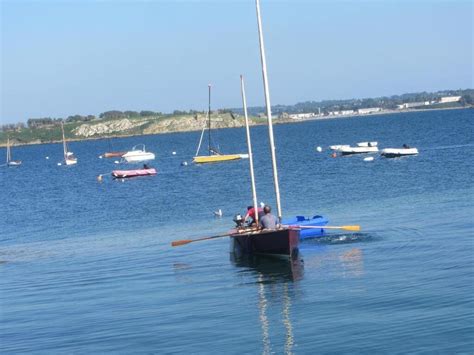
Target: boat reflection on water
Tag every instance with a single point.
(270, 269)
(275, 279)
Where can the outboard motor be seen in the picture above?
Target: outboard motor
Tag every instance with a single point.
(239, 221)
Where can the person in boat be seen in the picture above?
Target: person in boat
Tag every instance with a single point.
(268, 221)
(250, 215)
(146, 166)
(405, 146)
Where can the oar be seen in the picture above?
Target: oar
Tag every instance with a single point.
(177, 243)
(347, 228)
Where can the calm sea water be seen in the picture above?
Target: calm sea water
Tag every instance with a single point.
(88, 266)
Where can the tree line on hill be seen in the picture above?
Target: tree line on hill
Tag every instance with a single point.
(467, 98)
(384, 102)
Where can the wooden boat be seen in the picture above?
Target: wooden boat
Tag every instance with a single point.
(114, 154)
(279, 243)
(214, 156)
(69, 158)
(11, 162)
(123, 174)
(398, 152)
(358, 150)
(307, 233)
(137, 154)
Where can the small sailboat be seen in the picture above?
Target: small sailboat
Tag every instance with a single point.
(69, 158)
(214, 156)
(138, 154)
(11, 162)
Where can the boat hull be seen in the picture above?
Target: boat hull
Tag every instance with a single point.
(14, 163)
(396, 153)
(70, 161)
(204, 159)
(279, 243)
(307, 233)
(131, 158)
(114, 154)
(358, 150)
(122, 174)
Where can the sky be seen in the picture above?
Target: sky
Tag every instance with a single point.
(66, 57)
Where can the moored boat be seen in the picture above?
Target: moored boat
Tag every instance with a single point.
(114, 154)
(398, 152)
(11, 162)
(214, 155)
(122, 174)
(301, 221)
(338, 147)
(137, 154)
(69, 158)
(358, 150)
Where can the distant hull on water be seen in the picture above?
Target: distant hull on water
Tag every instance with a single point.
(122, 174)
(358, 150)
(138, 154)
(279, 243)
(398, 152)
(218, 158)
(114, 154)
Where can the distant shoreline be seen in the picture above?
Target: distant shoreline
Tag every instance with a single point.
(275, 121)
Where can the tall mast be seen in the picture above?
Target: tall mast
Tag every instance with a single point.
(269, 111)
(209, 117)
(249, 144)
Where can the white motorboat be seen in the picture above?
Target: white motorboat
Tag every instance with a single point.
(398, 152)
(338, 147)
(367, 144)
(358, 150)
(137, 154)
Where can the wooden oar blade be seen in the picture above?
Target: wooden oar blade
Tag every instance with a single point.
(177, 243)
(351, 228)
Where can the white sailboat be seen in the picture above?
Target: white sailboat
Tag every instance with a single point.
(11, 162)
(214, 156)
(69, 158)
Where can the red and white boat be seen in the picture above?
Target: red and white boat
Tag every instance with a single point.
(122, 174)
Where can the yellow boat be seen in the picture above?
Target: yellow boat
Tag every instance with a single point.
(213, 156)
(203, 159)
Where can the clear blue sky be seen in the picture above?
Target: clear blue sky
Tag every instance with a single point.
(60, 58)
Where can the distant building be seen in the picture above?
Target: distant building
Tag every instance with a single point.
(364, 111)
(449, 99)
(300, 116)
(347, 112)
(413, 104)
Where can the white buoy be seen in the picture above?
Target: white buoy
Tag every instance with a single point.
(100, 156)
(184, 163)
(369, 159)
(116, 162)
(59, 164)
(47, 158)
(319, 149)
(174, 153)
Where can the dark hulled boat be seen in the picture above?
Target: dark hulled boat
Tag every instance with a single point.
(281, 242)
